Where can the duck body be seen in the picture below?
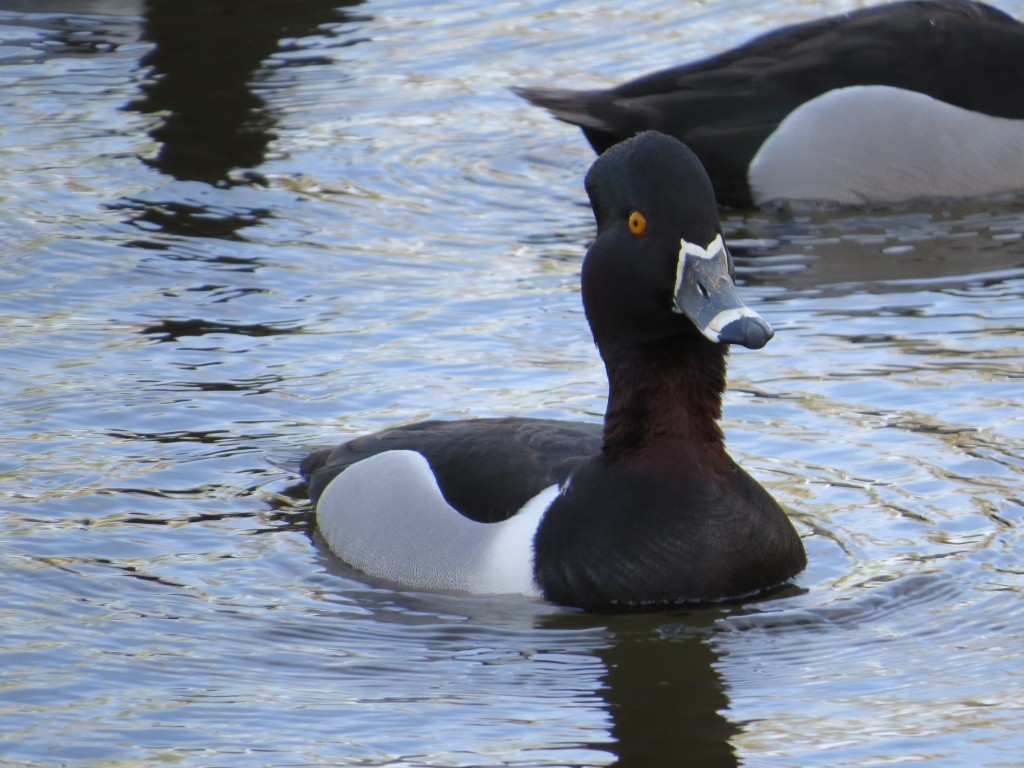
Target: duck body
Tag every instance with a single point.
(644, 510)
(939, 82)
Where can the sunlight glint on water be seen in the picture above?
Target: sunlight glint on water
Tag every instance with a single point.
(366, 227)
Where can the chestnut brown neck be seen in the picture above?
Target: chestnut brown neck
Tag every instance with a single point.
(668, 390)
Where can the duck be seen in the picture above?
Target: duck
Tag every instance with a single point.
(643, 511)
(921, 99)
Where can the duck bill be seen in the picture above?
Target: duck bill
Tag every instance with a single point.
(706, 294)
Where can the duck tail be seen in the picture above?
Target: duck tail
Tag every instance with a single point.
(591, 111)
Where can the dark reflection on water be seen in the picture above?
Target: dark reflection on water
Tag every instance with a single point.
(919, 246)
(657, 680)
(188, 218)
(654, 675)
(203, 74)
(665, 697)
(174, 330)
(203, 78)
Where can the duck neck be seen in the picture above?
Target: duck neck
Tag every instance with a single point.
(666, 391)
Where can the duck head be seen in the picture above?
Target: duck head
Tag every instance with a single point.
(659, 266)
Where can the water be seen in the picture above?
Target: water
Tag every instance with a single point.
(231, 234)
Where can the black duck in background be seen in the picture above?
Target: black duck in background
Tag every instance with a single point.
(919, 99)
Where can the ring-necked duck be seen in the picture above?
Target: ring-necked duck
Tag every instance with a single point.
(647, 510)
(920, 99)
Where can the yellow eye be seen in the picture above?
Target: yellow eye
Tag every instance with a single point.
(637, 223)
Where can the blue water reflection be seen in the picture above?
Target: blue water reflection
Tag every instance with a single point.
(231, 233)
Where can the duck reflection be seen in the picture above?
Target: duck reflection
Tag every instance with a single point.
(203, 71)
(202, 77)
(660, 685)
(667, 700)
(663, 692)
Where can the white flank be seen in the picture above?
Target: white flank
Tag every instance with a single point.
(386, 516)
(879, 144)
(508, 559)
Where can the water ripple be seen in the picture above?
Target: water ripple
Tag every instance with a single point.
(393, 236)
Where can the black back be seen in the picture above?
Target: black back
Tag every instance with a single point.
(487, 469)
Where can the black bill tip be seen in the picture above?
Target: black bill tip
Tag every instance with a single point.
(750, 331)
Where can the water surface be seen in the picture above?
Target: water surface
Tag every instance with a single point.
(232, 234)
